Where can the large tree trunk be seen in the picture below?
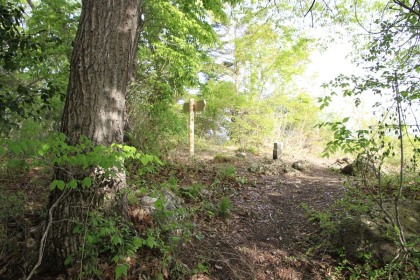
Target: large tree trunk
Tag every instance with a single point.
(101, 69)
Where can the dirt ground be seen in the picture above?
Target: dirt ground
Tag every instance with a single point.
(267, 235)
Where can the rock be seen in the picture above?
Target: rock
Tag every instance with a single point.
(148, 201)
(256, 168)
(267, 170)
(144, 277)
(219, 158)
(360, 234)
(147, 206)
(370, 232)
(200, 277)
(358, 167)
(289, 171)
(162, 209)
(300, 165)
(270, 172)
(241, 154)
(171, 201)
(348, 170)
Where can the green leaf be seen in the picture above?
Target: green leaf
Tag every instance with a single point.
(103, 231)
(158, 161)
(61, 185)
(129, 150)
(150, 242)
(44, 149)
(53, 185)
(143, 190)
(57, 184)
(404, 93)
(72, 184)
(68, 260)
(87, 182)
(90, 239)
(62, 137)
(120, 270)
(15, 148)
(116, 240)
(138, 242)
(144, 160)
(77, 229)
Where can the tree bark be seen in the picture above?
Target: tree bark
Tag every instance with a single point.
(102, 66)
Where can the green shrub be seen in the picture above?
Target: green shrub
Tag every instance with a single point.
(192, 192)
(227, 171)
(111, 239)
(11, 205)
(225, 207)
(220, 158)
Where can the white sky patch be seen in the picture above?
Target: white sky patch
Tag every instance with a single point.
(323, 68)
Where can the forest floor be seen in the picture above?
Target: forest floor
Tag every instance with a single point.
(268, 234)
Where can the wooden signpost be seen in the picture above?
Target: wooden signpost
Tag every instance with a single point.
(192, 107)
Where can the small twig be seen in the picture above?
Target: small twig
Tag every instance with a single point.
(45, 235)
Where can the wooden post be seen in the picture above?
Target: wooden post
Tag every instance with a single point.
(191, 109)
(275, 151)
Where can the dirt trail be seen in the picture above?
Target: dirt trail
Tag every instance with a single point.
(267, 236)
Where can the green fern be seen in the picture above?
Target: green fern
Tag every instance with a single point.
(225, 207)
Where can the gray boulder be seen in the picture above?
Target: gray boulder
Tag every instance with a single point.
(290, 172)
(300, 165)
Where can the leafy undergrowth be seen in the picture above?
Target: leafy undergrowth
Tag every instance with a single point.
(23, 197)
(228, 215)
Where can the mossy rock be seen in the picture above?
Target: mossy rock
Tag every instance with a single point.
(256, 168)
(224, 159)
(359, 235)
(301, 165)
(290, 171)
(373, 232)
(266, 170)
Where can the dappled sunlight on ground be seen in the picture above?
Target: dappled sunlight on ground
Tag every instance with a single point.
(268, 234)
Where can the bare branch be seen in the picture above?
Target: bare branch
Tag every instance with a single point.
(310, 8)
(411, 9)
